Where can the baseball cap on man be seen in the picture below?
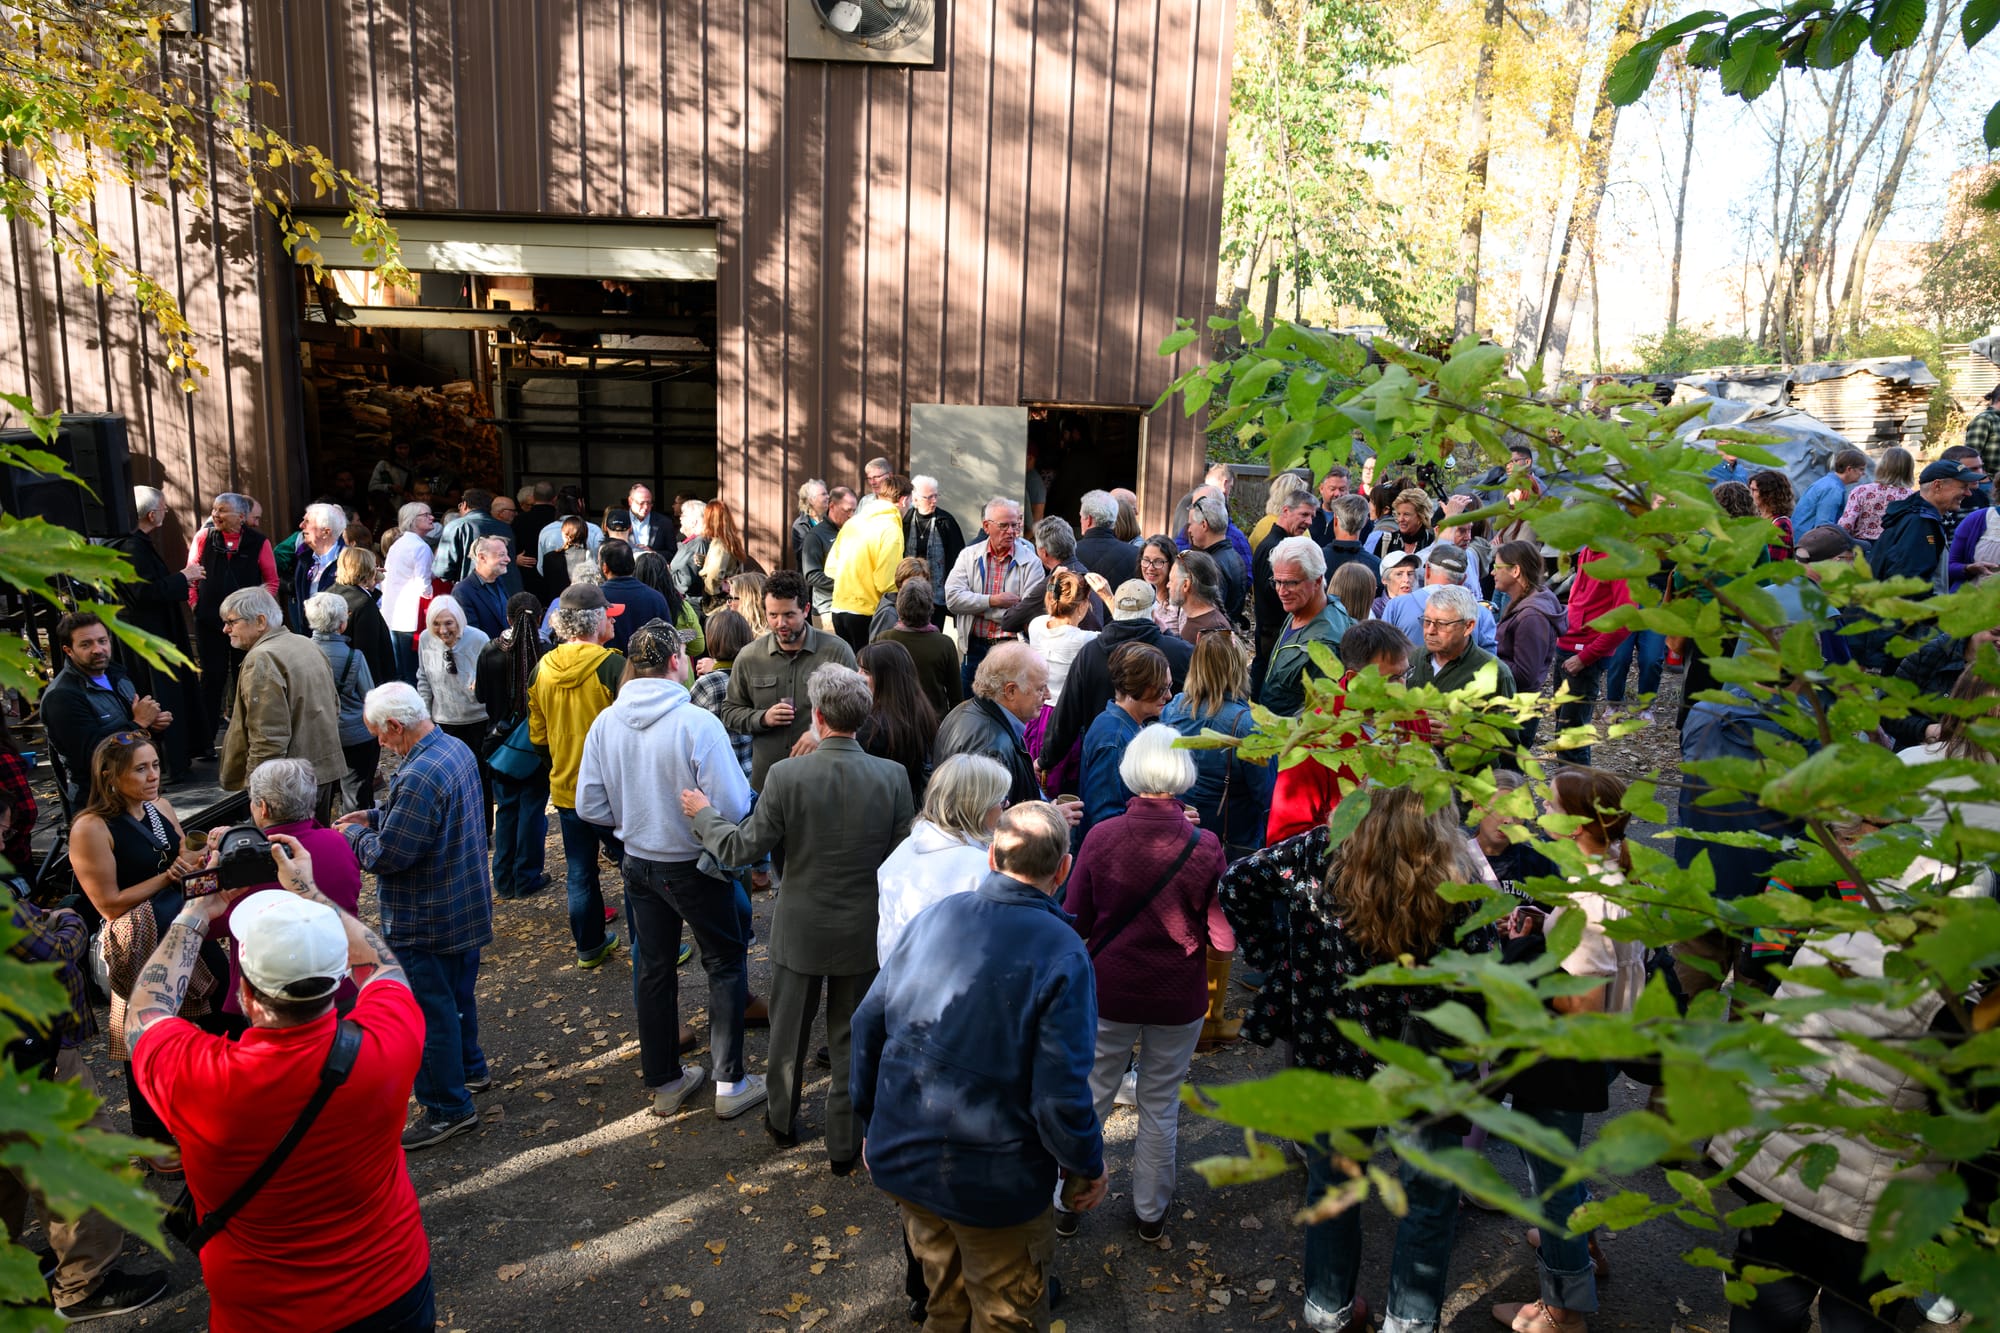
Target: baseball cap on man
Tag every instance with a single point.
(1447, 557)
(588, 597)
(1133, 599)
(290, 948)
(618, 520)
(1947, 470)
(1825, 542)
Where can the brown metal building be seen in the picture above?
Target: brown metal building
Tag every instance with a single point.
(1017, 224)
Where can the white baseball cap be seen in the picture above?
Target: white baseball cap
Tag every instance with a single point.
(290, 948)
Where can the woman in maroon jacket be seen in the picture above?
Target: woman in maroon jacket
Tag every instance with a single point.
(1143, 892)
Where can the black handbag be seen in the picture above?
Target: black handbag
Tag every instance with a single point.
(1146, 899)
(184, 1221)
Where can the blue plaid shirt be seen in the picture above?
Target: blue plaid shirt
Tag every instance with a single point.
(426, 844)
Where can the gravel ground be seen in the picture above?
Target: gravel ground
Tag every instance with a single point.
(573, 1207)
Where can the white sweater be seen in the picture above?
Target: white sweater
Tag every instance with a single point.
(449, 695)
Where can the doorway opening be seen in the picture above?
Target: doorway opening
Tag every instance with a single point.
(1079, 447)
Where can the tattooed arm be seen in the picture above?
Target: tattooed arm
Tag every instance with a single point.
(163, 982)
(368, 958)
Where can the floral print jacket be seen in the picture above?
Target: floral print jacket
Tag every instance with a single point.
(1286, 930)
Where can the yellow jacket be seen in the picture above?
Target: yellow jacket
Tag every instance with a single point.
(864, 557)
(572, 684)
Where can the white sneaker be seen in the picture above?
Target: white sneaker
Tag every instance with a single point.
(1938, 1309)
(729, 1105)
(1128, 1089)
(667, 1101)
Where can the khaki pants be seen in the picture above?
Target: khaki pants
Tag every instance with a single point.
(86, 1247)
(982, 1279)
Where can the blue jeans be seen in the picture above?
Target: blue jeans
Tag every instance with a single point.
(1422, 1253)
(1650, 647)
(1569, 1280)
(405, 649)
(581, 842)
(659, 897)
(442, 983)
(976, 649)
(520, 835)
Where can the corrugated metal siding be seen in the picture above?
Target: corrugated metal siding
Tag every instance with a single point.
(1022, 223)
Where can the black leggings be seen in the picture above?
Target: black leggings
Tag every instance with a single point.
(1825, 1269)
(415, 1311)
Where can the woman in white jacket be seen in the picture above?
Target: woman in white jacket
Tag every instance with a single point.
(447, 669)
(946, 850)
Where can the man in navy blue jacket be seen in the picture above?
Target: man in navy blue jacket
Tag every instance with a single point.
(971, 1074)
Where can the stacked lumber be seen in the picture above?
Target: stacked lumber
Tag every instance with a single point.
(361, 418)
(1869, 410)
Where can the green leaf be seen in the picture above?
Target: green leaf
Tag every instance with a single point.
(1992, 127)
(1470, 370)
(1753, 1215)
(1895, 25)
(1346, 817)
(1633, 74)
(89, 1171)
(1837, 40)
(1297, 1104)
(1751, 66)
(1911, 1212)
(1815, 1163)
(1174, 342)
(1287, 446)
(1707, 50)
(1977, 19)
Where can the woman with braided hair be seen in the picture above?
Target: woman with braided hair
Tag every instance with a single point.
(520, 821)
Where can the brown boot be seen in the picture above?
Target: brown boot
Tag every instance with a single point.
(1217, 1029)
(756, 1014)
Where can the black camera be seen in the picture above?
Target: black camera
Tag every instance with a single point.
(242, 860)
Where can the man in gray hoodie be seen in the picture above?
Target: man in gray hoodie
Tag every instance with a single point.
(642, 751)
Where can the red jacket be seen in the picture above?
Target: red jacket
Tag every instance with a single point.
(1307, 792)
(1590, 598)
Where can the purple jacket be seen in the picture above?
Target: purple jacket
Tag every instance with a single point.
(1965, 544)
(1527, 638)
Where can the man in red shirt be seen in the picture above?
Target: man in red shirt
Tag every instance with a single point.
(334, 1237)
(1307, 792)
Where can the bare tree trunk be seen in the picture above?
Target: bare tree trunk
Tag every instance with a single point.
(1688, 89)
(1595, 172)
(1271, 296)
(1596, 329)
(1476, 129)
(1848, 316)
(1535, 264)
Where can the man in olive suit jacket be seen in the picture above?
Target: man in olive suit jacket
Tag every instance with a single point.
(840, 811)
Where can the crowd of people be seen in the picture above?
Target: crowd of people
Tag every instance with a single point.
(952, 748)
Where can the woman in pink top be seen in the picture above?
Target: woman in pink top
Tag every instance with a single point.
(1144, 896)
(1156, 561)
(283, 793)
(1895, 477)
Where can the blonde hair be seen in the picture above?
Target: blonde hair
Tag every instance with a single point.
(1383, 880)
(1286, 489)
(356, 566)
(1218, 673)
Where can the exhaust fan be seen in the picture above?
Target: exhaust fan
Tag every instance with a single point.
(890, 32)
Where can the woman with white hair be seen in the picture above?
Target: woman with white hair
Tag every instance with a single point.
(326, 615)
(406, 580)
(946, 850)
(1144, 896)
(448, 679)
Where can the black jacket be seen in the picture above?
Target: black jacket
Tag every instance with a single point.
(978, 726)
(812, 538)
(302, 587)
(1088, 687)
(1933, 668)
(1340, 553)
(1016, 620)
(76, 714)
(1235, 578)
(1102, 553)
(368, 634)
(949, 533)
(1912, 544)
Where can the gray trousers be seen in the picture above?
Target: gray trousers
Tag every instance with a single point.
(794, 1005)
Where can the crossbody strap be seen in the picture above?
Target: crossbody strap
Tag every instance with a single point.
(1146, 900)
(339, 1064)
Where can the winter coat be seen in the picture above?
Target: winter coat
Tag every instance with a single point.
(965, 594)
(1088, 687)
(286, 708)
(982, 727)
(1589, 598)
(572, 684)
(1846, 1201)
(927, 867)
(1527, 638)
(972, 1108)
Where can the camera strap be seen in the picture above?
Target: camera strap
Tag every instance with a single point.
(339, 1064)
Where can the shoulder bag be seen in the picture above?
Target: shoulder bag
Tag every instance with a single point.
(1145, 900)
(516, 757)
(195, 1231)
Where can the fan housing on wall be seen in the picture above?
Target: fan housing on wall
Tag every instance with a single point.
(888, 32)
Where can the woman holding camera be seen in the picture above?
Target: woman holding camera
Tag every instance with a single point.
(129, 859)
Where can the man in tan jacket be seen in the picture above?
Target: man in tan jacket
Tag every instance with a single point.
(287, 706)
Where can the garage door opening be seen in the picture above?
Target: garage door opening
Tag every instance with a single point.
(578, 354)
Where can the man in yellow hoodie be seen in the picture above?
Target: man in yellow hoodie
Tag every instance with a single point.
(574, 682)
(864, 558)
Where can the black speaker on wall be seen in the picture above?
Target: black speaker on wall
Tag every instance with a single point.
(95, 448)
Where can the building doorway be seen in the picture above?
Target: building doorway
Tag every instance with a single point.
(1079, 447)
